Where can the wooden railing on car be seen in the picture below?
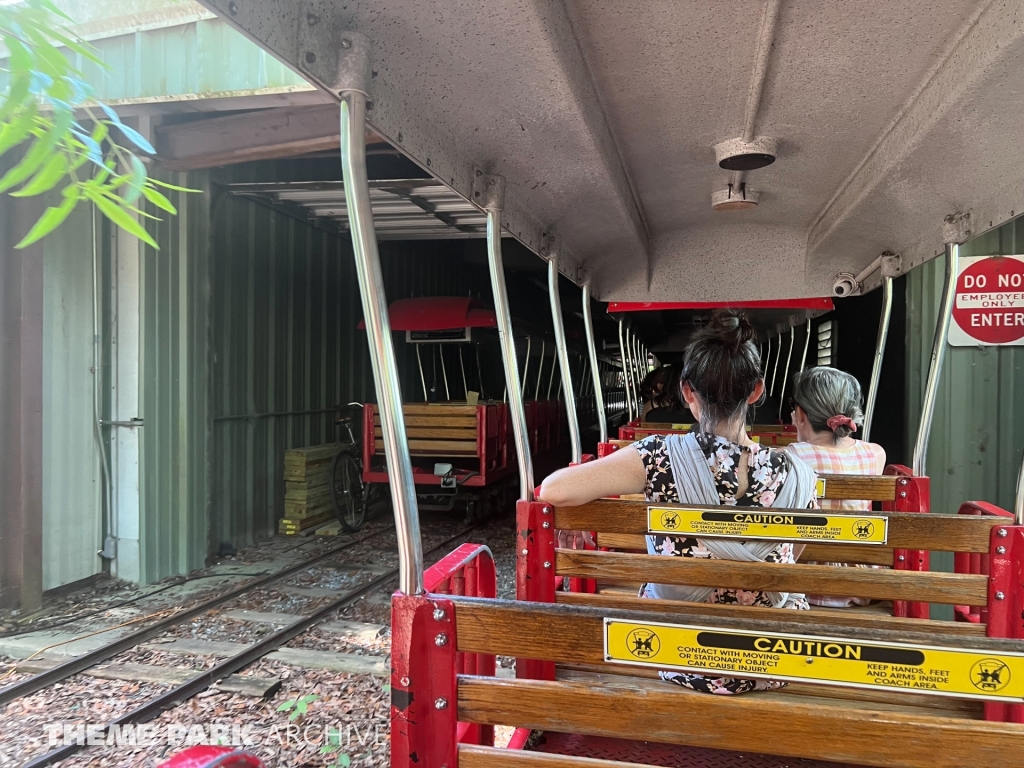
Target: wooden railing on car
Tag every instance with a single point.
(818, 723)
(436, 429)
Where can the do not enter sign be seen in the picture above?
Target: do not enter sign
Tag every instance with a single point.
(989, 304)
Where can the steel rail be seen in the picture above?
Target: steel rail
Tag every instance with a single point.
(492, 196)
(540, 369)
(785, 371)
(807, 345)
(931, 388)
(876, 367)
(78, 664)
(624, 358)
(1018, 507)
(595, 368)
(775, 369)
(563, 359)
(526, 364)
(229, 666)
(378, 327)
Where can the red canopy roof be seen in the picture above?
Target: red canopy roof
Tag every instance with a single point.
(439, 313)
(822, 302)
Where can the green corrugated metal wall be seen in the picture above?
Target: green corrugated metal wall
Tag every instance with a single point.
(978, 434)
(175, 339)
(285, 348)
(198, 59)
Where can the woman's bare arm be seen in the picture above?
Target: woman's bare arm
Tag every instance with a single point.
(619, 473)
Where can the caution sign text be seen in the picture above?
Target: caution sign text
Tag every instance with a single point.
(829, 660)
(763, 523)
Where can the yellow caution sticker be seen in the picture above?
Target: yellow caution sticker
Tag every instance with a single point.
(819, 488)
(682, 427)
(828, 660)
(763, 523)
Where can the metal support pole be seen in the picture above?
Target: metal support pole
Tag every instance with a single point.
(775, 368)
(526, 364)
(489, 191)
(462, 366)
(595, 368)
(540, 370)
(563, 358)
(375, 311)
(623, 354)
(423, 379)
(785, 372)
(554, 369)
(444, 373)
(480, 374)
(876, 368)
(807, 345)
(931, 388)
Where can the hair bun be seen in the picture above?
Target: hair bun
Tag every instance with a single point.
(731, 328)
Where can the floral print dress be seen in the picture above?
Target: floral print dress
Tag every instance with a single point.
(768, 471)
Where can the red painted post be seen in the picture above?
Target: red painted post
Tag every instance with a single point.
(913, 494)
(535, 570)
(424, 703)
(1006, 551)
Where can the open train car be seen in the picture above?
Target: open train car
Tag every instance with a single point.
(634, 148)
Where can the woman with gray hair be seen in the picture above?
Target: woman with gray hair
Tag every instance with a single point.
(826, 411)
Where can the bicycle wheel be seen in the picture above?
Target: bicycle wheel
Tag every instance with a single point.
(347, 492)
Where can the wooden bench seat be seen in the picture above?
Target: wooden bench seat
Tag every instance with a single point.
(875, 727)
(440, 430)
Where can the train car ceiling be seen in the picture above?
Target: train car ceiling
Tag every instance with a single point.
(604, 120)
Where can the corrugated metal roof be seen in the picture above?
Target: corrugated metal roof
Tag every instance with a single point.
(403, 209)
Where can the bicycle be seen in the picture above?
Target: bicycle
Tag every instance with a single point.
(350, 496)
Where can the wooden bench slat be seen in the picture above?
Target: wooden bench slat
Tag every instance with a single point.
(746, 723)
(437, 447)
(440, 409)
(436, 433)
(860, 487)
(440, 420)
(831, 553)
(575, 633)
(889, 700)
(837, 616)
(925, 587)
(940, 533)
(472, 756)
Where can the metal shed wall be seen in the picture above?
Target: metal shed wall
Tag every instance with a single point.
(174, 351)
(169, 50)
(978, 434)
(72, 507)
(286, 351)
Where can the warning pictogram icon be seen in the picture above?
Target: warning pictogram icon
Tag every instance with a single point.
(863, 529)
(990, 675)
(670, 520)
(643, 643)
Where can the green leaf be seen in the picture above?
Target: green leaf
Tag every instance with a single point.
(136, 181)
(53, 171)
(39, 152)
(344, 761)
(165, 185)
(18, 129)
(18, 92)
(286, 706)
(309, 698)
(159, 200)
(51, 219)
(84, 50)
(121, 217)
(327, 748)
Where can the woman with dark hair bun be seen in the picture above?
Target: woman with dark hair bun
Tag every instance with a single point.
(716, 463)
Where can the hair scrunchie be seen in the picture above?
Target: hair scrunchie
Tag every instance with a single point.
(835, 422)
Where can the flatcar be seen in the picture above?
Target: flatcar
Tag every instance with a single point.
(743, 154)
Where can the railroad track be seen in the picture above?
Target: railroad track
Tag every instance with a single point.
(228, 666)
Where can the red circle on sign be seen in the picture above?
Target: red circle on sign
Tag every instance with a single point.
(989, 304)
